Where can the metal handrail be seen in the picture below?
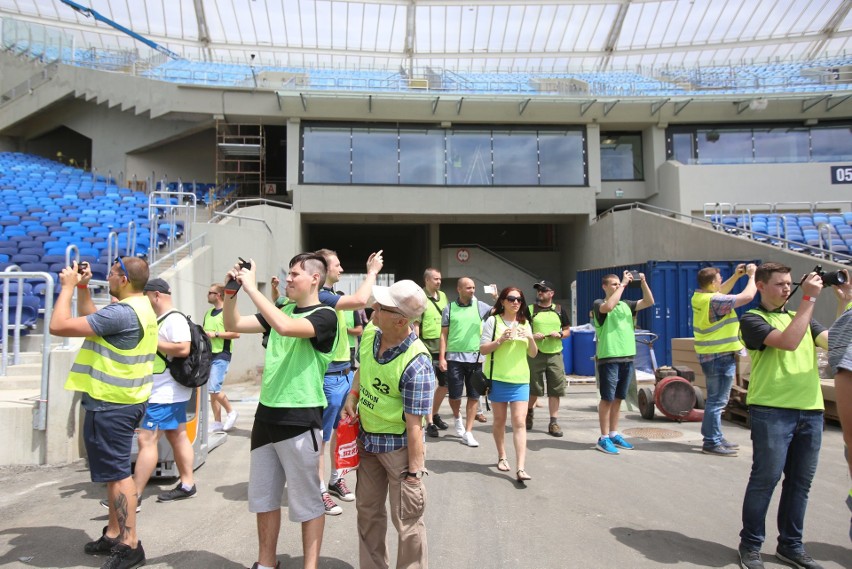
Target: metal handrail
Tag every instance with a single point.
(171, 211)
(18, 315)
(245, 202)
(40, 416)
(501, 257)
(173, 255)
(748, 232)
(241, 217)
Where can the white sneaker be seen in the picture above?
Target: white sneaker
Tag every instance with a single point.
(459, 426)
(230, 421)
(468, 439)
(215, 426)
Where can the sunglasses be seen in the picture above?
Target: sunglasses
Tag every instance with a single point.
(121, 264)
(514, 299)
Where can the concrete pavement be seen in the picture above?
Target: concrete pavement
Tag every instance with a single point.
(662, 505)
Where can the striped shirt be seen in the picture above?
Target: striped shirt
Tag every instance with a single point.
(416, 386)
(840, 343)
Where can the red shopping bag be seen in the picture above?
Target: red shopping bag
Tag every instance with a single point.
(346, 451)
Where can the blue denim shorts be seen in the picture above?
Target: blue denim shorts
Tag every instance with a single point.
(164, 416)
(108, 436)
(336, 388)
(614, 378)
(218, 370)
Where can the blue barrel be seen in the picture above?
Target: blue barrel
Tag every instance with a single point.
(584, 351)
(568, 354)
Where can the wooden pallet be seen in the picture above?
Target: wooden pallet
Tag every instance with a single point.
(737, 414)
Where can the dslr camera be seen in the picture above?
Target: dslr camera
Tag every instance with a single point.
(830, 278)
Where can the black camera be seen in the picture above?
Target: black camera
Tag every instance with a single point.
(636, 282)
(830, 278)
(232, 286)
(81, 267)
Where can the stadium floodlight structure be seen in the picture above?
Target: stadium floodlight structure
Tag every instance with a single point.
(521, 36)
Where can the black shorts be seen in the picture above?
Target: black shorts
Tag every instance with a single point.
(440, 375)
(459, 375)
(108, 436)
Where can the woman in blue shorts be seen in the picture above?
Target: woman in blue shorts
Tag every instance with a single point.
(506, 342)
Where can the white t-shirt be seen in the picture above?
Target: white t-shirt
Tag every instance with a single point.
(174, 328)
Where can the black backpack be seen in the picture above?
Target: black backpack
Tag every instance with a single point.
(194, 369)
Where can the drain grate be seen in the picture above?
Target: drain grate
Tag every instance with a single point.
(652, 433)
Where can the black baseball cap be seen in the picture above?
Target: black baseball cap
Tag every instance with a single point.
(544, 285)
(157, 285)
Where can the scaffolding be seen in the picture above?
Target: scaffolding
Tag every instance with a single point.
(240, 155)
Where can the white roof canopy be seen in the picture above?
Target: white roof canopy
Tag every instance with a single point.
(465, 35)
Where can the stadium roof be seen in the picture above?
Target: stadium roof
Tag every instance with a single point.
(465, 35)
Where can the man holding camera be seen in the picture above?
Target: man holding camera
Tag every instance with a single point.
(616, 349)
(786, 411)
(717, 344)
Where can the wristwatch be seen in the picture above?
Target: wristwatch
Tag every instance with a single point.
(217, 334)
(418, 475)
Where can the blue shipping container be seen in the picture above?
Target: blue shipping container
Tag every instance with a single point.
(672, 283)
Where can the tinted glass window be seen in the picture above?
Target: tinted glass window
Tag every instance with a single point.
(325, 155)
(374, 156)
(563, 158)
(780, 145)
(724, 147)
(469, 158)
(421, 156)
(515, 158)
(621, 157)
(831, 144)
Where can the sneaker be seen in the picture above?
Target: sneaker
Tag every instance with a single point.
(101, 546)
(432, 430)
(459, 426)
(105, 503)
(177, 493)
(719, 450)
(230, 421)
(554, 430)
(331, 508)
(529, 419)
(481, 417)
(216, 427)
(619, 441)
(256, 564)
(341, 490)
(440, 423)
(124, 557)
(750, 558)
(605, 445)
(467, 439)
(728, 444)
(797, 558)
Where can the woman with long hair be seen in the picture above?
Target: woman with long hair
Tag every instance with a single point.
(506, 342)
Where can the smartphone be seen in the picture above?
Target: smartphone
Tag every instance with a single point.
(489, 289)
(636, 282)
(233, 286)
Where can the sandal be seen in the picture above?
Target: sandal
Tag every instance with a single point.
(522, 475)
(503, 464)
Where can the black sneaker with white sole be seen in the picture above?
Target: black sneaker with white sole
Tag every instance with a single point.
(124, 557)
(177, 493)
(101, 546)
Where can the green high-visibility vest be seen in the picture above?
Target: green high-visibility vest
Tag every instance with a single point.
(465, 328)
(713, 337)
(293, 373)
(616, 338)
(215, 324)
(111, 374)
(782, 378)
(547, 321)
(430, 322)
(508, 362)
(341, 351)
(380, 401)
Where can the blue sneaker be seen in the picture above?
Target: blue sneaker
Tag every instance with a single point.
(619, 441)
(605, 445)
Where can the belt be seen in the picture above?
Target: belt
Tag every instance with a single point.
(338, 372)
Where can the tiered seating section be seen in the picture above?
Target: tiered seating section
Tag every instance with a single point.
(47, 206)
(802, 230)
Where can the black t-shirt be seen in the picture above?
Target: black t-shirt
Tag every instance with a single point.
(290, 422)
(755, 329)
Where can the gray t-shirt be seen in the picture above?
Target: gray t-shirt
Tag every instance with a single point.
(840, 343)
(119, 326)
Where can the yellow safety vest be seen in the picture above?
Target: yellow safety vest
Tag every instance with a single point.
(713, 337)
(120, 376)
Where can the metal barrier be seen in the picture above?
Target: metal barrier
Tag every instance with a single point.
(171, 216)
(40, 416)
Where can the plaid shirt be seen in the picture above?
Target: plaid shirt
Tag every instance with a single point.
(416, 386)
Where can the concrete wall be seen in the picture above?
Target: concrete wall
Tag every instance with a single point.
(190, 158)
(484, 268)
(687, 188)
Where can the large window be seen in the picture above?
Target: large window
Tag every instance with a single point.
(411, 155)
(621, 156)
(759, 144)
